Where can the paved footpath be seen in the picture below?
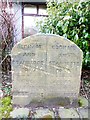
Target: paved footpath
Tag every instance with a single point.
(60, 112)
(54, 112)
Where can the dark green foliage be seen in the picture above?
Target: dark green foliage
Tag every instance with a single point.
(71, 21)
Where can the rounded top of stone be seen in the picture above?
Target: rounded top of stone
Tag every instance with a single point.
(54, 37)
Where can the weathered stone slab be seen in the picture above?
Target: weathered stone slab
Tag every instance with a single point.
(43, 113)
(68, 113)
(84, 112)
(45, 67)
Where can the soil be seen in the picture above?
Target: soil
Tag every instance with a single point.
(85, 83)
(86, 74)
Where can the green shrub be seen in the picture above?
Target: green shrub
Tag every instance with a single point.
(71, 21)
(5, 107)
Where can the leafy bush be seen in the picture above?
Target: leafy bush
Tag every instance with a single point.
(71, 21)
(5, 107)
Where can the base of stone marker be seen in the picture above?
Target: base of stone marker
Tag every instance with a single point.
(54, 102)
(20, 100)
(50, 102)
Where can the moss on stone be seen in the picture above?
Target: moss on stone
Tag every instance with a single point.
(46, 117)
(83, 102)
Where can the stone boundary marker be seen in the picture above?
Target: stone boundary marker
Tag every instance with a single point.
(46, 68)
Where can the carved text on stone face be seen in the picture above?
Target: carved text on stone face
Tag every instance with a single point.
(34, 45)
(60, 46)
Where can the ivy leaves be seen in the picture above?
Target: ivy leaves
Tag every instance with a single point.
(71, 21)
